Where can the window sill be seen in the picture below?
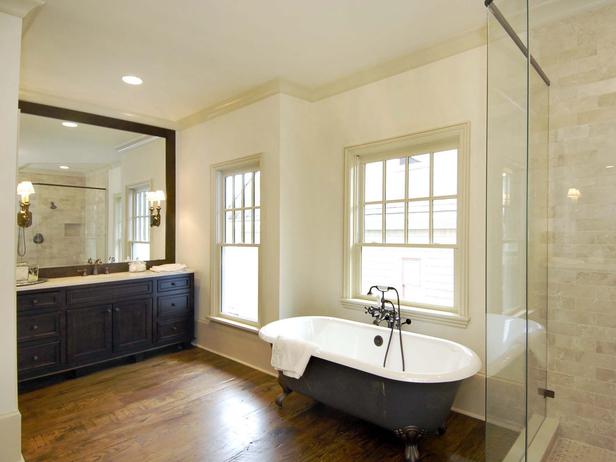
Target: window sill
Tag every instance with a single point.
(232, 323)
(420, 314)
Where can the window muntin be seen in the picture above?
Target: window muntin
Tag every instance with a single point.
(139, 223)
(416, 240)
(239, 247)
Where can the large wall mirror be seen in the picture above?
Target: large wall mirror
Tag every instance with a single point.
(98, 182)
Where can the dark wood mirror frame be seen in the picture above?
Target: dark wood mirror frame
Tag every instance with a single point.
(127, 125)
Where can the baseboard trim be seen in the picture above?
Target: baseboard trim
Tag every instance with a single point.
(244, 363)
(10, 437)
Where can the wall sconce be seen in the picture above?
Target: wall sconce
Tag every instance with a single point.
(155, 198)
(24, 216)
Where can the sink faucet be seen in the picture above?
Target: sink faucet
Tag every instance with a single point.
(94, 264)
(383, 312)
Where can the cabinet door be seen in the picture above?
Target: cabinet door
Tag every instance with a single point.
(132, 325)
(89, 334)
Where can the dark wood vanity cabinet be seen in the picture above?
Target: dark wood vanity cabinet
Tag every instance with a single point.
(67, 328)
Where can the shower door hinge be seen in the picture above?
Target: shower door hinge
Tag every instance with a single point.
(546, 393)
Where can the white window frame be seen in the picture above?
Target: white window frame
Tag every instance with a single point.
(217, 208)
(457, 136)
(129, 222)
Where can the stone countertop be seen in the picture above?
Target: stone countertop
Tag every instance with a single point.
(70, 281)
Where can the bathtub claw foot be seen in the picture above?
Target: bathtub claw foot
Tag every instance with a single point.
(286, 391)
(411, 436)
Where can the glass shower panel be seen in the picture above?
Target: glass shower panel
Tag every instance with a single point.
(506, 238)
(537, 252)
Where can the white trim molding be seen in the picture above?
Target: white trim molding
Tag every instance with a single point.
(19, 8)
(454, 136)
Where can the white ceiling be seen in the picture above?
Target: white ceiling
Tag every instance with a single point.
(195, 53)
(45, 144)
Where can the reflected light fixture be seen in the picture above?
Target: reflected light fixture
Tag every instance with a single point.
(132, 80)
(24, 216)
(609, 166)
(64, 167)
(155, 198)
(574, 194)
(70, 124)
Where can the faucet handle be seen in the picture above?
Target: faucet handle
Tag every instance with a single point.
(82, 271)
(90, 262)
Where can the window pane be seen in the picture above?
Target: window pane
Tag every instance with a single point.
(423, 276)
(446, 173)
(238, 183)
(229, 227)
(419, 176)
(248, 189)
(240, 282)
(229, 192)
(257, 226)
(140, 251)
(373, 182)
(444, 221)
(248, 226)
(257, 189)
(394, 222)
(394, 179)
(238, 227)
(373, 223)
(419, 222)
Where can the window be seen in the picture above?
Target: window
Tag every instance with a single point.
(235, 277)
(139, 223)
(405, 221)
(118, 227)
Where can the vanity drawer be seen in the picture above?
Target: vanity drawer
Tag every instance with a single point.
(36, 326)
(174, 330)
(174, 306)
(39, 300)
(38, 356)
(107, 292)
(165, 285)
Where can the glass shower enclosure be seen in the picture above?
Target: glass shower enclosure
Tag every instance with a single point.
(516, 235)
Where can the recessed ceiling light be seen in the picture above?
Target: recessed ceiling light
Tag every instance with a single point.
(64, 167)
(132, 80)
(70, 124)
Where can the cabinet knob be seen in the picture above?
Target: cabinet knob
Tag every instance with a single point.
(173, 304)
(35, 358)
(34, 327)
(173, 284)
(174, 328)
(116, 309)
(34, 301)
(108, 310)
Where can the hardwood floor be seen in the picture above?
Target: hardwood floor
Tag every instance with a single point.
(194, 406)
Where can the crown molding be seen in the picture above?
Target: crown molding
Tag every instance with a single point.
(85, 106)
(453, 46)
(19, 8)
(273, 87)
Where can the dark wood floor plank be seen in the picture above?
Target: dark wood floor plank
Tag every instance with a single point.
(194, 406)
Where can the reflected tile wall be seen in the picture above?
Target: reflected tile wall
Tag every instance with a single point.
(579, 55)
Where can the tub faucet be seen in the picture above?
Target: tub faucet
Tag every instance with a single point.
(382, 312)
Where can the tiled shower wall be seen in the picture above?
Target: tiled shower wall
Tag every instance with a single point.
(579, 55)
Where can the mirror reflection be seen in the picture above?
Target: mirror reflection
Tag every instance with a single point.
(92, 193)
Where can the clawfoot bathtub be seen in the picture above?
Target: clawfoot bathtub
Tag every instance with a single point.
(346, 372)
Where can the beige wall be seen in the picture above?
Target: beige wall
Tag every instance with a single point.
(306, 142)
(10, 420)
(579, 55)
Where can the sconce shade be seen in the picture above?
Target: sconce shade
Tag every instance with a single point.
(24, 189)
(156, 196)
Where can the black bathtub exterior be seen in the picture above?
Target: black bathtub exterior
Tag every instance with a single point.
(409, 409)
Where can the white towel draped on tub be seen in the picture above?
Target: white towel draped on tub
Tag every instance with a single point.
(290, 356)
